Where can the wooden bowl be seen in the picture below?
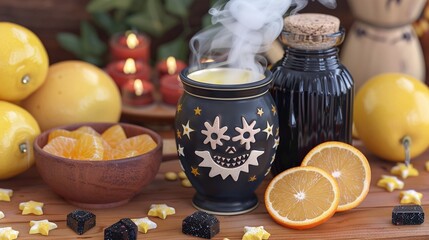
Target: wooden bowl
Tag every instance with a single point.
(98, 184)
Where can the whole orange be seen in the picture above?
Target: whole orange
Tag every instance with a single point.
(18, 129)
(23, 62)
(74, 92)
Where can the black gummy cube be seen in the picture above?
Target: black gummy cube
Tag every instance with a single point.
(80, 221)
(408, 215)
(124, 229)
(201, 224)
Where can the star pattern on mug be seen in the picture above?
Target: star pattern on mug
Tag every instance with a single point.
(179, 134)
(41, 227)
(276, 143)
(274, 109)
(252, 178)
(404, 171)
(268, 130)
(259, 111)
(195, 171)
(255, 233)
(31, 207)
(5, 194)
(197, 111)
(179, 108)
(187, 130)
(180, 150)
(411, 197)
(390, 183)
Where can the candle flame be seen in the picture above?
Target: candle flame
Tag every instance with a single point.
(171, 65)
(130, 66)
(138, 87)
(132, 40)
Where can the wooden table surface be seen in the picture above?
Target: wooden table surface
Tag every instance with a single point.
(370, 220)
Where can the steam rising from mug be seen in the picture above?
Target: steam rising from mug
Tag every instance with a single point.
(242, 30)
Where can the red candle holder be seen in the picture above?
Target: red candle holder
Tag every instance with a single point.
(137, 93)
(170, 66)
(130, 44)
(124, 70)
(171, 89)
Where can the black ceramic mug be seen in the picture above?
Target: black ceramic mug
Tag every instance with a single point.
(226, 136)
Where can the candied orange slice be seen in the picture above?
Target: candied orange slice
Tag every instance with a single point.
(87, 129)
(114, 135)
(141, 143)
(88, 147)
(61, 146)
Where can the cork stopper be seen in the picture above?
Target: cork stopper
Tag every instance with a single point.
(312, 31)
(312, 24)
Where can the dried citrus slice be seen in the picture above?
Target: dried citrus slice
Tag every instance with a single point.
(142, 143)
(302, 197)
(348, 166)
(114, 135)
(88, 147)
(61, 146)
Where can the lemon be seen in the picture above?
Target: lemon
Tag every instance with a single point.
(74, 92)
(23, 62)
(17, 132)
(390, 108)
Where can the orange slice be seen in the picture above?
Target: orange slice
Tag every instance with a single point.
(114, 135)
(141, 143)
(302, 197)
(87, 129)
(348, 166)
(61, 146)
(88, 147)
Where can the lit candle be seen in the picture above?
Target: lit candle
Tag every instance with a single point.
(137, 93)
(170, 66)
(171, 89)
(130, 45)
(123, 70)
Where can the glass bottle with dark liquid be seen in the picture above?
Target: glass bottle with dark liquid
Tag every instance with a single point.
(313, 91)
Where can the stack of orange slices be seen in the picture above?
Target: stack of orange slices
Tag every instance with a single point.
(333, 177)
(85, 143)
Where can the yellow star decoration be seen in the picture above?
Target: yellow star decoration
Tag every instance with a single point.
(195, 171)
(7, 233)
(255, 233)
(404, 171)
(5, 194)
(1, 215)
(179, 107)
(43, 227)
(260, 112)
(33, 207)
(179, 134)
(390, 183)
(252, 178)
(161, 211)
(197, 111)
(144, 224)
(274, 109)
(411, 196)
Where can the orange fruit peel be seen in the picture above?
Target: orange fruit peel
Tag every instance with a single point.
(348, 166)
(302, 197)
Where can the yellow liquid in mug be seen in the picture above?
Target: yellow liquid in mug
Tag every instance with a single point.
(225, 76)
